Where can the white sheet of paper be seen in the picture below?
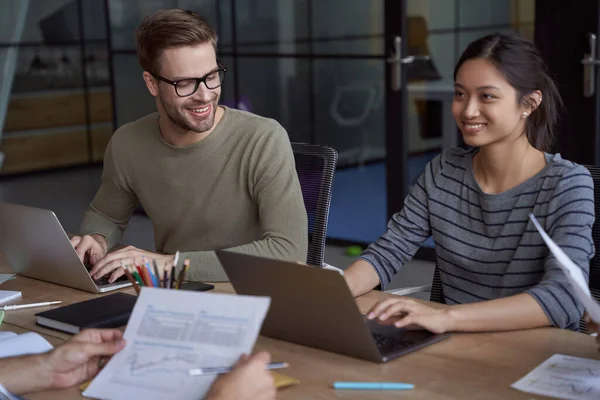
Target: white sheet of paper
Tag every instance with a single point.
(564, 377)
(573, 274)
(7, 335)
(172, 331)
(27, 343)
(6, 277)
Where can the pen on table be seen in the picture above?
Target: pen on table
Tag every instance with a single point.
(224, 370)
(130, 278)
(18, 306)
(373, 385)
(182, 273)
(173, 269)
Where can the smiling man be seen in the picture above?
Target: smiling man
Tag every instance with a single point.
(208, 176)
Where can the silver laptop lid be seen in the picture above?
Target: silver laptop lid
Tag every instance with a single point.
(36, 246)
(309, 306)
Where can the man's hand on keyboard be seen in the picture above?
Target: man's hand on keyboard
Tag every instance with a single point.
(90, 248)
(112, 262)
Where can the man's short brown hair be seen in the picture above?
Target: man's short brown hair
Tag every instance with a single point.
(170, 28)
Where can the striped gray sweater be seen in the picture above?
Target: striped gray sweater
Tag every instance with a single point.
(486, 247)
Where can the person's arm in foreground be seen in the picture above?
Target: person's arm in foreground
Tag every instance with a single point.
(74, 362)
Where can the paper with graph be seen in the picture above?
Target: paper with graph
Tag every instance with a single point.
(172, 331)
(563, 377)
(573, 274)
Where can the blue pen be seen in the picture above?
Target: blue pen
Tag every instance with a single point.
(373, 385)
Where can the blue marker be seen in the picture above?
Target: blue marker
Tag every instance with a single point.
(373, 385)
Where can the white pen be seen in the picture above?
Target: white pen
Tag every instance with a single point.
(17, 306)
(224, 370)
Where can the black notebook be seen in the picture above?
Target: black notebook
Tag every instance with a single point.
(109, 311)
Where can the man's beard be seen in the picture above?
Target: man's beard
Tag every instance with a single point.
(177, 115)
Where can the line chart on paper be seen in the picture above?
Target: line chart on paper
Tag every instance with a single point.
(163, 372)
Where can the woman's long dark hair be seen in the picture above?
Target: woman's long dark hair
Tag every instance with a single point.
(520, 63)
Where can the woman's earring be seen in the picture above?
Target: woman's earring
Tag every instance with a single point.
(525, 114)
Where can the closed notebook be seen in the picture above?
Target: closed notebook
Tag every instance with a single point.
(109, 311)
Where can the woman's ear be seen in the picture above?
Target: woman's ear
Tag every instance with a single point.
(532, 101)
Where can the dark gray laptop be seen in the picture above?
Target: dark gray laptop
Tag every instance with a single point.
(314, 307)
(36, 246)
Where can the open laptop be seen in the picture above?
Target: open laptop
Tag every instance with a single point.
(314, 307)
(36, 246)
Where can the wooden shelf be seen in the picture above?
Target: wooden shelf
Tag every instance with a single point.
(46, 130)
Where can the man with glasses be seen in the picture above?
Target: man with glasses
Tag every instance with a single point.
(208, 176)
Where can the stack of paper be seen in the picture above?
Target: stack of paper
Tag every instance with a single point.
(12, 345)
(172, 331)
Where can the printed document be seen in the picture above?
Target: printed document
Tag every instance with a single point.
(563, 377)
(172, 331)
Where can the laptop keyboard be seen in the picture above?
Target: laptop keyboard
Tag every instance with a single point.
(104, 280)
(389, 345)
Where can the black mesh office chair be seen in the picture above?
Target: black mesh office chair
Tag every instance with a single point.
(315, 166)
(437, 292)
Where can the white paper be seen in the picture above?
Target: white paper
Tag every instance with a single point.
(172, 331)
(6, 277)
(573, 274)
(563, 377)
(7, 335)
(27, 343)
(6, 296)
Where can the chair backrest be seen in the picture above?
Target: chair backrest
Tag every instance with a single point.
(315, 165)
(437, 293)
(595, 262)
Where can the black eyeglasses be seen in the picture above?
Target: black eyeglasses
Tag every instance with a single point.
(189, 86)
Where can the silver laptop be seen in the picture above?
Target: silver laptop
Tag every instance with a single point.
(314, 307)
(36, 246)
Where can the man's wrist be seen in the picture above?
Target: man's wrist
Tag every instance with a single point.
(24, 368)
(102, 240)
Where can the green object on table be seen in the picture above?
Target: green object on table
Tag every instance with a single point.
(1, 316)
(354, 251)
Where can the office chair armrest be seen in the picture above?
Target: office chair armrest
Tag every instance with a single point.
(409, 290)
(331, 267)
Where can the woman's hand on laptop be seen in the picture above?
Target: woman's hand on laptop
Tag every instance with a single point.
(90, 248)
(112, 263)
(408, 313)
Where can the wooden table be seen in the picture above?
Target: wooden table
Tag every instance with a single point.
(473, 366)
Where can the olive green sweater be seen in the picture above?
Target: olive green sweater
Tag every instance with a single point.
(236, 189)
